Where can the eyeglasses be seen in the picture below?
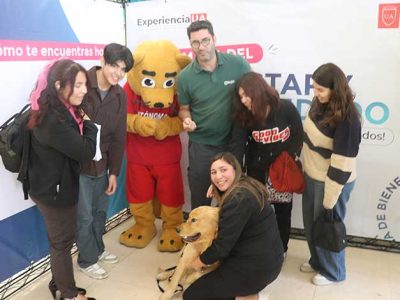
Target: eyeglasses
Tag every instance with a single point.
(204, 42)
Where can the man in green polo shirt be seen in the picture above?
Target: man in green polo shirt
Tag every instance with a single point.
(205, 92)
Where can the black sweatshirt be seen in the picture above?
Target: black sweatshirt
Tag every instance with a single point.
(262, 143)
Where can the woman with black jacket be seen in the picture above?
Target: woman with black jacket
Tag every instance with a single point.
(265, 126)
(61, 138)
(247, 244)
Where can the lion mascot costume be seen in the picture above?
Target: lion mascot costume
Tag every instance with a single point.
(153, 146)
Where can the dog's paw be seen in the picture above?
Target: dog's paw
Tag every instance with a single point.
(163, 274)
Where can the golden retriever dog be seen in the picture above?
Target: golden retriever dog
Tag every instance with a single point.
(197, 232)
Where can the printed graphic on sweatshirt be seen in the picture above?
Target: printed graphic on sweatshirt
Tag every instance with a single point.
(273, 135)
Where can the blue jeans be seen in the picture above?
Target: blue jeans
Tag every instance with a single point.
(329, 264)
(92, 215)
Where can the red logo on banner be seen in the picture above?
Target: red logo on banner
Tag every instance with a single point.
(198, 17)
(389, 15)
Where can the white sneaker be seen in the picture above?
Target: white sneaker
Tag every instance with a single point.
(321, 280)
(306, 268)
(262, 295)
(108, 257)
(95, 271)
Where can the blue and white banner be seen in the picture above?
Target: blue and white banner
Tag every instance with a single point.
(286, 41)
(31, 34)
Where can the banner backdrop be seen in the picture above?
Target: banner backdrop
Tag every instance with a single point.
(286, 41)
(31, 34)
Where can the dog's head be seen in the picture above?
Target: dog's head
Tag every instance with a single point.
(202, 223)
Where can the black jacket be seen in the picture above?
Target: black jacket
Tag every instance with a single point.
(57, 148)
(248, 238)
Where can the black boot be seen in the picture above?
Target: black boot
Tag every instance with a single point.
(53, 290)
(88, 298)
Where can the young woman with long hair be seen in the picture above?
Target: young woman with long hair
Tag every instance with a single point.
(248, 243)
(61, 138)
(265, 126)
(331, 143)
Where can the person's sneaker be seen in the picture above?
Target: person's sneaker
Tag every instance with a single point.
(306, 268)
(95, 271)
(262, 295)
(321, 280)
(108, 257)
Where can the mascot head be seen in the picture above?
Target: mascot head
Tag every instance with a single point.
(153, 76)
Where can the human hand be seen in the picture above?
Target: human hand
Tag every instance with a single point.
(197, 264)
(328, 204)
(210, 193)
(189, 124)
(85, 117)
(112, 185)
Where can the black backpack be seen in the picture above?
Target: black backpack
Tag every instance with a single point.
(15, 145)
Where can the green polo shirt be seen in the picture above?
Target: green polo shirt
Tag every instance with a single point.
(210, 97)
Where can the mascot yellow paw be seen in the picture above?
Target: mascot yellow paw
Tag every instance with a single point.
(140, 234)
(170, 241)
(137, 236)
(168, 126)
(141, 125)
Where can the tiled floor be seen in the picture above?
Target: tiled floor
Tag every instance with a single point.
(371, 275)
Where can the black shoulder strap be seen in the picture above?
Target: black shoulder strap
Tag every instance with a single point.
(23, 171)
(6, 123)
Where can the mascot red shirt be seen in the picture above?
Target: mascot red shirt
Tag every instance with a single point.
(148, 157)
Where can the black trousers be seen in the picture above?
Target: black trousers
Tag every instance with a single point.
(283, 211)
(200, 156)
(225, 284)
(61, 231)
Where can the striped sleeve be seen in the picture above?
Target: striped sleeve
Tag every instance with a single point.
(342, 168)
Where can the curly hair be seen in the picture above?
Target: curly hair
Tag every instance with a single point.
(64, 71)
